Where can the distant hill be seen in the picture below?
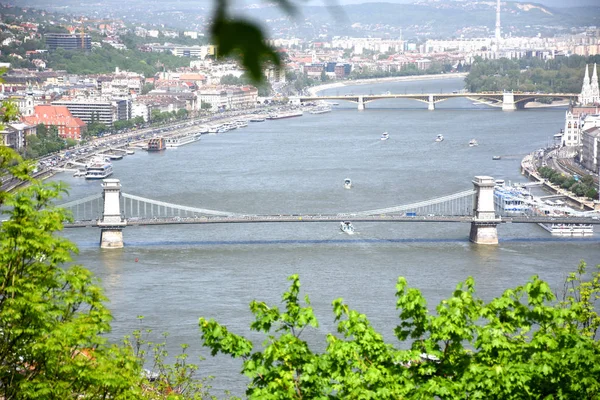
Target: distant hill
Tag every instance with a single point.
(421, 19)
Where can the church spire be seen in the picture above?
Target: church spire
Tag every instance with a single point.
(586, 90)
(595, 89)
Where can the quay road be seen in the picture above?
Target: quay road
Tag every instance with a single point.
(241, 219)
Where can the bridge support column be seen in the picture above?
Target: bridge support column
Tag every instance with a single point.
(112, 222)
(508, 101)
(485, 222)
(431, 103)
(361, 103)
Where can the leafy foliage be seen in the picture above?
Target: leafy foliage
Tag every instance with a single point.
(560, 75)
(523, 344)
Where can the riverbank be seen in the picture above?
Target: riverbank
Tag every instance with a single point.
(316, 89)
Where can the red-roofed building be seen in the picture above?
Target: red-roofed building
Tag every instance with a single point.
(69, 127)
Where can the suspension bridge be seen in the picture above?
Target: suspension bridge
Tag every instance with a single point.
(507, 100)
(112, 210)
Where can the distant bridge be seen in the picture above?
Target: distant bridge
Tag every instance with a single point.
(507, 100)
(113, 210)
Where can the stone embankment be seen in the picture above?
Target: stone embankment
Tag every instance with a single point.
(529, 169)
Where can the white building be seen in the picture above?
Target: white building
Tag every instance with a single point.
(590, 91)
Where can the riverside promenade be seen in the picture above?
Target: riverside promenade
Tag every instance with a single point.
(529, 169)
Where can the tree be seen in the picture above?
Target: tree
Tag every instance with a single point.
(527, 343)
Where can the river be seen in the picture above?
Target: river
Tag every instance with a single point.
(172, 275)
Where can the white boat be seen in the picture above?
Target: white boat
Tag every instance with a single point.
(130, 151)
(385, 136)
(473, 143)
(512, 200)
(289, 114)
(258, 118)
(241, 123)
(321, 110)
(569, 229)
(98, 168)
(79, 172)
(439, 138)
(347, 227)
(347, 183)
(180, 140)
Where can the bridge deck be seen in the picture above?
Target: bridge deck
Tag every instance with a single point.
(334, 218)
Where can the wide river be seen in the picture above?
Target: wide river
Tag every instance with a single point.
(174, 274)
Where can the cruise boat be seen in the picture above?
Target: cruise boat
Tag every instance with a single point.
(347, 183)
(347, 227)
(473, 143)
(439, 138)
(98, 168)
(156, 144)
(512, 200)
(241, 123)
(289, 114)
(385, 136)
(258, 118)
(569, 229)
(321, 110)
(180, 140)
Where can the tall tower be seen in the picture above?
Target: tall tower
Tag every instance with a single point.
(497, 36)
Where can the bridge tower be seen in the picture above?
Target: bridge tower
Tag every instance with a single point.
(431, 103)
(508, 101)
(485, 221)
(112, 222)
(361, 103)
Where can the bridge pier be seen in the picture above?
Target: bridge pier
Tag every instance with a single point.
(430, 103)
(361, 103)
(508, 101)
(112, 222)
(484, 226)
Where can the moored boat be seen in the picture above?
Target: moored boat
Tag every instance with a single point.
(156, 144)
(180, 140)
(289, 114)
(98, 168)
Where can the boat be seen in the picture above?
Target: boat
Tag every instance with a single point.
(347, 183)
(130, 151)
(258, 118)
(496, 157)
(321, 110)
(98, 168)
(180, 140)
(512, 200)
(156, 144)
(439, 138)
(347, 227)
(385, 136)
(241, 123)
(79, 172)
(569, 229)
(473, 143)
(289, 114)
(334, 103)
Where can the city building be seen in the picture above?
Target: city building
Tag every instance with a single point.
(97, 110)
(590, 155)
(69, 127)
(68, 41)
(14, 135)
